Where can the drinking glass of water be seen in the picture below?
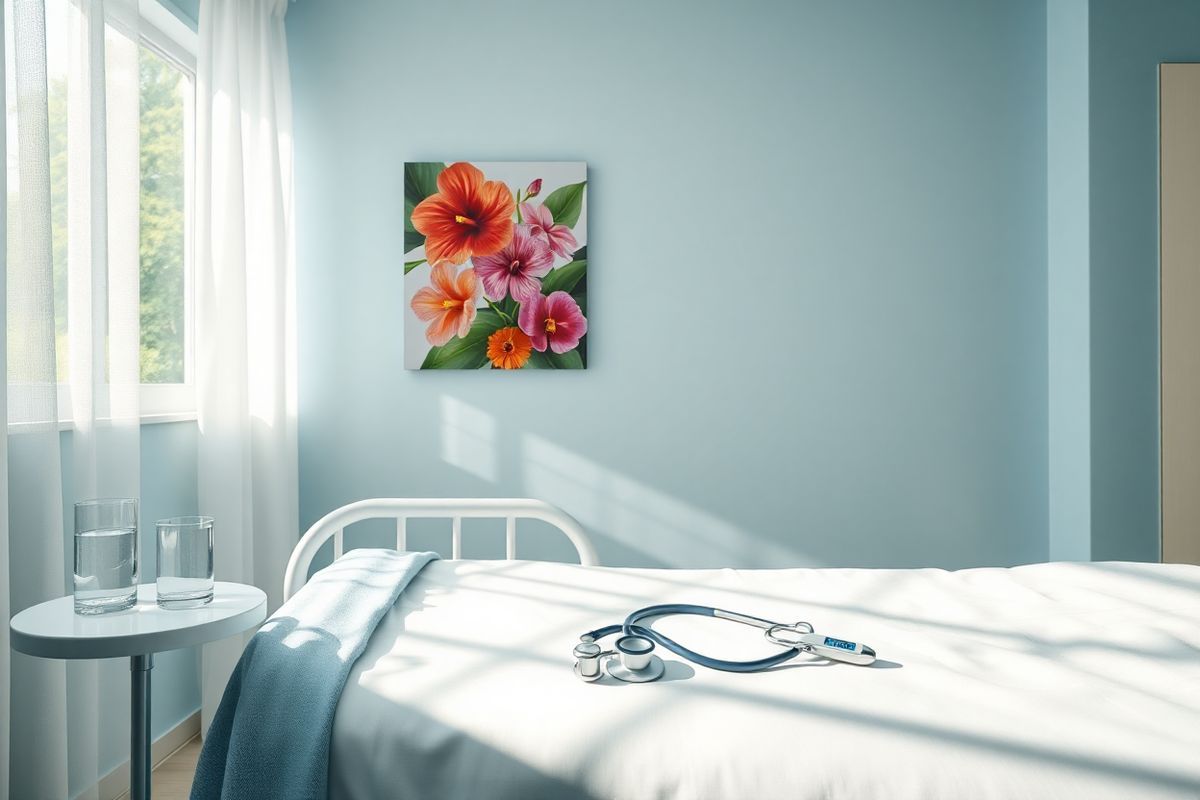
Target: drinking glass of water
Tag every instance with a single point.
(185, 562)
(106, 564)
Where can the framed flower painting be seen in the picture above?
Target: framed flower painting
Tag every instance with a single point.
(495, 265)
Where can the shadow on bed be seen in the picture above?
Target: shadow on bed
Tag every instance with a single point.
(491, 774)
(1130, 772)
(1181, 652)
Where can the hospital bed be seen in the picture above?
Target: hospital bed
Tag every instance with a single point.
(1059, 680)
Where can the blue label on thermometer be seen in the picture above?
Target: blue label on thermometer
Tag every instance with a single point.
(839, 644)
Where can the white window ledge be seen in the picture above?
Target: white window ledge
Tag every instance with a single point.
(16, 428)
(174, 416)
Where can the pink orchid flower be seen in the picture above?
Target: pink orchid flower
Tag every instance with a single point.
(555, 321)
(515, 269)
(541, 221)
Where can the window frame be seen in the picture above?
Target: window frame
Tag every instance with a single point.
(161, 31)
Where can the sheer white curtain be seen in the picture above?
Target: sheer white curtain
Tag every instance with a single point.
(5, 605)
(72, 344)
(245, 303)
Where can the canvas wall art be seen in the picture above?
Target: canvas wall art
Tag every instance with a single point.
(495, 265)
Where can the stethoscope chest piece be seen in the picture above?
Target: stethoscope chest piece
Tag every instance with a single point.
(637, 662)
(653, 670)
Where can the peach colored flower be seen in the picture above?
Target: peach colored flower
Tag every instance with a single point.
(448, 303)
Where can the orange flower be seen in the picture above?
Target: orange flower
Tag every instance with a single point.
(509, 348)
(448, 305)
(468, 216)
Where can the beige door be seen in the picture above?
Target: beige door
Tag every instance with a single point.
(1179, 182)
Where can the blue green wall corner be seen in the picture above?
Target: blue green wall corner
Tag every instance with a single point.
(1127, 43)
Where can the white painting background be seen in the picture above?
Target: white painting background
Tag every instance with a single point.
(517, 175)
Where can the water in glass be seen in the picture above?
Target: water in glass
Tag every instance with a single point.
(185, 562)
(106, 566)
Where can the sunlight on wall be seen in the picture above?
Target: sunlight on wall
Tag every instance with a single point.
(663, 527)
(469, 438)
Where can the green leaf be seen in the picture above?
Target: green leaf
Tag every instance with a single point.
(580, 296)
(469, 352)
(564, 278)
(510, 307)
(552, 360)
(413, 240)
(568, 360)
(538, 361)
(420, 181)
(409, 266)
(565, 203)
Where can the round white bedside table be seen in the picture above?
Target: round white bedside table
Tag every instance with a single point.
(53, 630)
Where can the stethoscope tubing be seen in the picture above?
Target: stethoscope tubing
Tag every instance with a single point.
(631, 627)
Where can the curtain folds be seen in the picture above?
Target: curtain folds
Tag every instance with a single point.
(72, 347)
(245, 304)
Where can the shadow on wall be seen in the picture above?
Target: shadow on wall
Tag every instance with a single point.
(621, 513)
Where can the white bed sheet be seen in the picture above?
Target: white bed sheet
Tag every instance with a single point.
(1044, 681)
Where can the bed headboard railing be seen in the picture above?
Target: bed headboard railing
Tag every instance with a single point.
(401, 509)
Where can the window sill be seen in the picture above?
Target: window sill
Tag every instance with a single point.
(176, 416)
(68, 425)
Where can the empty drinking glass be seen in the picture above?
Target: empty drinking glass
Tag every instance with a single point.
(185, 562)
(106, 564)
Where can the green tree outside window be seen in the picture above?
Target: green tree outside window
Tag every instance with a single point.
(161, 239)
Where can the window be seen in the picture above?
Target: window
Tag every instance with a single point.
(166, 74)
(165, 57)
(164, 91)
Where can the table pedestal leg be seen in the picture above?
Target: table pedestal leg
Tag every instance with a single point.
(139, 727)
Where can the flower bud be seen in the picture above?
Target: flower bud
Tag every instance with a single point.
(534, 188)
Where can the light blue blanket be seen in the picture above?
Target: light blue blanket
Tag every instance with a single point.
(270, 735)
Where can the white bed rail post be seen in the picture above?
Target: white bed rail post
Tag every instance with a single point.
(401, 509)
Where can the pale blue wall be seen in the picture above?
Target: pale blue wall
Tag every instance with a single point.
(1068, 274)
(186, 10)
(818, 304)
(1128, 40)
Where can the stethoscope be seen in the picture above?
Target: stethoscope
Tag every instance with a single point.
(635, 661)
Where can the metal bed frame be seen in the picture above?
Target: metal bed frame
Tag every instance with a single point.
(401, 509)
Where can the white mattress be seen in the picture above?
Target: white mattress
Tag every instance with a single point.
(1051, 680)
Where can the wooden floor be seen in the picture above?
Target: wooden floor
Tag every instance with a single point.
(172, 779)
